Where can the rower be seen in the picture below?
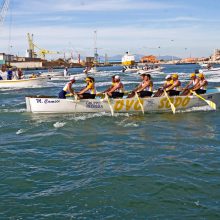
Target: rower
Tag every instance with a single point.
(166, 84)
(65, 72)
(89, 92)
(193, 83)
(112, 85)
(67, 88)
(3, 73)
(117, 90)
(145, 88)
(202, 85)
(20, 74)
(175, 88)
(9, 74)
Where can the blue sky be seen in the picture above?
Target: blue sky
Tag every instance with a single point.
(155, 27)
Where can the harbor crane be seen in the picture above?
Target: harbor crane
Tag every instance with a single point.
(42, 52)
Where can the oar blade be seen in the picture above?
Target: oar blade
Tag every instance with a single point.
(211, 104)
(173, 108)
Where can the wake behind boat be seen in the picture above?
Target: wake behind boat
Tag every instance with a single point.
(42, 104)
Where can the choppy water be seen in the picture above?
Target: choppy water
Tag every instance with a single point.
(94, 166)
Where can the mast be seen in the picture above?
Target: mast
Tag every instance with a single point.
(3, 10)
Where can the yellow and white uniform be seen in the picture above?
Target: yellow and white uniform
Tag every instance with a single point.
(91, 88)
(148, 88)
(205, 86)
(120, 87)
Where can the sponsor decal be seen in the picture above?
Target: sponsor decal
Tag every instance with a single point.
(94, 105)
(48, 101)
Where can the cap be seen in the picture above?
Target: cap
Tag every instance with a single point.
(72, 78)
(87, 79)
(201, 75)
(168, 76)
(175, 75)
(192, 75)
(117, 77)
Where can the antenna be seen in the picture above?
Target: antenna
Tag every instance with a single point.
(95, 48)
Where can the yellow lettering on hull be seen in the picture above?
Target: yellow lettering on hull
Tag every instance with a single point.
(177, 101)
(129, 104)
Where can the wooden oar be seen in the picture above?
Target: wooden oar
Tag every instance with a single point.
(142, 107)
(210, 103)
(171, 104)
(109, 103)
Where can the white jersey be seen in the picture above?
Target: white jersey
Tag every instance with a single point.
(65, 72)
(4, 75)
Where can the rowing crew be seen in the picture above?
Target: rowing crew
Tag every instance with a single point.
(172, 86)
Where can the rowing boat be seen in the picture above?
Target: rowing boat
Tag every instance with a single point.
(23, 83)
(42, 104)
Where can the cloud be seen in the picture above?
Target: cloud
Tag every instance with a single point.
(115, 40)
(51, 6)
(121, 24)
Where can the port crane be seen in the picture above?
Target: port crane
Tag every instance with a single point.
(3, 10)
(42, 52)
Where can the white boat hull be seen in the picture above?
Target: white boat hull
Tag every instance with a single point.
(211, 70)
(130, 70)
(23, 83)
(154, 104)
(53, 73)
(150, 70)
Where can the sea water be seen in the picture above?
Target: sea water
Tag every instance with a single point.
(95, 166)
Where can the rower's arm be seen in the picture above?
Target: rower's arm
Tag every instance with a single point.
(196, 84)
(167, 85)
(114, 88)
(172, 86)
(188, 85)
(144, 86)
(70, 89)
(137, 88)
(205, 83)
(84, 90)
(107, 90)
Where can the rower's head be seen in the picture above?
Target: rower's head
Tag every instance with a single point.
(143, 75)
(192, 76)
(175, 76)
(196, 71)
(113, 78)
(168, 77)
(117, 78)
(72, 79)
(90, 80)
(148, 77)
(201, 76)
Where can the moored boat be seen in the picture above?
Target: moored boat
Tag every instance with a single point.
(23, 83)
(153, 70)
(42, 104)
